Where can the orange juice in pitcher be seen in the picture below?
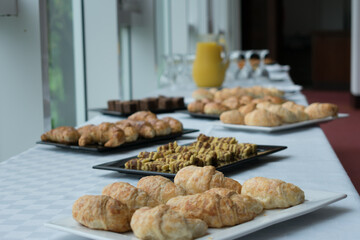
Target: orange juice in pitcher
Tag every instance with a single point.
(209, 66)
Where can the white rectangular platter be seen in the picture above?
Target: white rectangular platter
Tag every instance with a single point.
(282, 127)
(314, 200)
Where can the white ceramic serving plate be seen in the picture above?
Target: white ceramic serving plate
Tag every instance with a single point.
(314, 200)
(282, 127)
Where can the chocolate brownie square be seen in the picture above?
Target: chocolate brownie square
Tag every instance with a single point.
(129, 107)
(165, 103)
(178, 102)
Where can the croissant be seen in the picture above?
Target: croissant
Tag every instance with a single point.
(232, 117)
(252, 206)
(106, 134)
(161, 127)
(286, 115)
(200, 179)
(142, 116)
(216, 210)
(102, 212)
(245, 109)
(261, 117)
(83, 129)
(273, 193)
(133, 197)
(62, 134)
(144, 129)
(298, 110)
(160, 188)
(131, 133)
(175, 125)
(162, 223)
(321, 110)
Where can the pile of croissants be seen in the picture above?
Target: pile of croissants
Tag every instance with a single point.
(144, 124)
(199, 197)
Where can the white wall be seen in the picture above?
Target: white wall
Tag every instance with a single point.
(21, 104)
(102, 53)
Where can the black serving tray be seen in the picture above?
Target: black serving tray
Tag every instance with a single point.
(203, 115)
(105, 111)
(141, 142)
(119, 165)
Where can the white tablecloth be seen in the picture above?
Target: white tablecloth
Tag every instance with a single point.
(42, 183)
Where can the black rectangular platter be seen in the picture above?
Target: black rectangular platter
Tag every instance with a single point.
(205, 116)
(119, 165)
(142, 142)
(105, 111)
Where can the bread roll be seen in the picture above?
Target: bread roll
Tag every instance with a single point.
(231, 103)
(197, 106)
(214, 108)
(202, 93)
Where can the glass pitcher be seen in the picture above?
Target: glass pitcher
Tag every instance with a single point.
(211, 62)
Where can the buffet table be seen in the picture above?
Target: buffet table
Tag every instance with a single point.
(41, 184)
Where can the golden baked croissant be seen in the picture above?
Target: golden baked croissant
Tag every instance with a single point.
(286, 115)
(162, 223)
(161, 127)
(142, 116)
(261, 117)
(106, 134)
(216, 210)
(175, 125)
(160, 188)
(62, 134)
(83, 129)
(321, 110)
(298, 110)
(273, 193)
(252, 206)
(200, 179)
(245, 109)
(145, 129)
(102, 212)
(232, 117)
(131, 133)
(133, 197)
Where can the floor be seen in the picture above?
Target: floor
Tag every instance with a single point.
(343, 134)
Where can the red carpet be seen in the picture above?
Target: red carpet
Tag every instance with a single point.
(343, 134)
